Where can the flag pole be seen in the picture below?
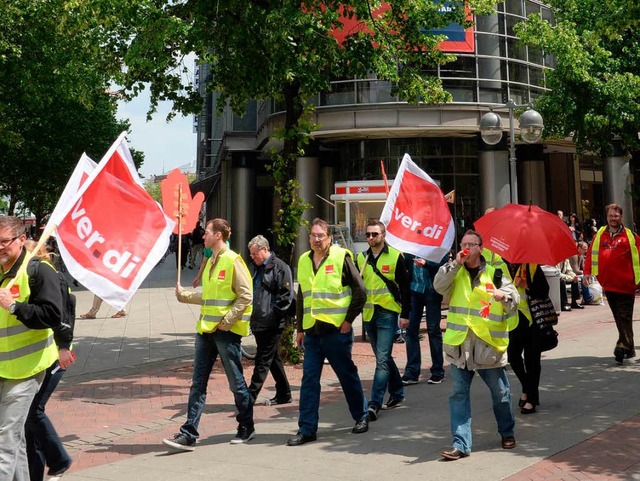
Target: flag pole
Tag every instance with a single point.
(384, 177)
(179, 231)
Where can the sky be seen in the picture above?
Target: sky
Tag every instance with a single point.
(165, 145)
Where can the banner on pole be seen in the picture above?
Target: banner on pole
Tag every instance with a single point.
(416, 214)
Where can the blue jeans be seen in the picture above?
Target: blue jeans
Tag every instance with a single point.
(419, 302)
(44, 447)
(460, 404)
(208, 347)
(336, 348)
(381, 330)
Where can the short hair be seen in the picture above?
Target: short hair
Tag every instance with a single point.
(475, 233)
(259, 241)
(377, 223)
(322, 223)
(222, 226)
(583, 245)
(614, 207)
(15, 224)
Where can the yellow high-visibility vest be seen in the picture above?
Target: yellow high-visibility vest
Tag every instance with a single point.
(377, 291)
(464, 312)
(325, 299)
(218, 295)
(595, 248)
(24, 352)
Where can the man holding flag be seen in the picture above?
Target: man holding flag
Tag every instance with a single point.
(226, 301)
(28, 311)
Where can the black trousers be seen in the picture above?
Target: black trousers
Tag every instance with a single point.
(575, 292)
(268, 361)
(524, 358)
(622, 308)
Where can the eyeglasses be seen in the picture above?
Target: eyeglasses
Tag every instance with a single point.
(7, 242)
(372, 234)
(256, 252)
(318, 236)
(465, 245)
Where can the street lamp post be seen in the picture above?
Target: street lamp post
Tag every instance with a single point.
(531, 126)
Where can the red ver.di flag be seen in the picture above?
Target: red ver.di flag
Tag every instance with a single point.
(114, 232)
(416, 214)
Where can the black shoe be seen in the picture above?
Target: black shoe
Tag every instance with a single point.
(565, 308)
(576, 306)
(393, 403)
(521, 403)
(435, 379)
(407, 381)
(372, 413)
(525, 410)
(630, 354)
(182, 442)
(301, 438)
(619, 353)
(452, 454)
(509, 442)
(278, 400)
(361, 426)
(59, 471)
(245, 434)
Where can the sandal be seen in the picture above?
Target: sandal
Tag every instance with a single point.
(87, 316)
(118, 315)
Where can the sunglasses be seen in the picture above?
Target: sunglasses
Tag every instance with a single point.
(372, 234)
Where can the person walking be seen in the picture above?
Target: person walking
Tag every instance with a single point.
(273, 297)
(523, 351)
(476, 339)
(197, 245)
(27, 315)
(224, 318)
(388, 296)
(330, 296)
(44, 447)
(424, 298)
(613, 260)
(95, 307)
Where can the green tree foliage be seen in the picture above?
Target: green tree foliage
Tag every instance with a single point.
(595, 94)
(284, 50)
(54, 103)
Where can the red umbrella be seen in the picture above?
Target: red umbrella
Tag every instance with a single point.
(526, 233)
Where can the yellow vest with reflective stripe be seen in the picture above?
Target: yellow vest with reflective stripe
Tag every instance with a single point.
(218, 296)
(496, 261)
(377, 291)
(325, 299)
(464, 313)
(24, 352)
(595, 248)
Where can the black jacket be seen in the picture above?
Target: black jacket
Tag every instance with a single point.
(273, 295)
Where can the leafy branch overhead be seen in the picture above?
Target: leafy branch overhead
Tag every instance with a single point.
(595, 94)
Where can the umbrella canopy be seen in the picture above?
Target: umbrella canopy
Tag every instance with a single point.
(526, 233)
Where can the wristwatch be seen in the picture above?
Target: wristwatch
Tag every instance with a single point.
(12, 308)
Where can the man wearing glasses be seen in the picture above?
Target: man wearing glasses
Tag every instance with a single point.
(388, 296)
(273, 297)
(29, 311)
(476, 339)
(330, 296)
(224, 318)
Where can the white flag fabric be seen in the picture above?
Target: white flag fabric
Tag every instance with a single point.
(416, 214)
(80, 174)
(111, 232)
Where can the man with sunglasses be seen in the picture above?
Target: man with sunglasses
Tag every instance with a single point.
(388, 296)
(28, 312)
(224, 318)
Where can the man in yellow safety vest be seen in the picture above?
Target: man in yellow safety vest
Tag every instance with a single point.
(226, 305)
(476, 339)
(330, 296)
(613, 259)
(27, 348)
